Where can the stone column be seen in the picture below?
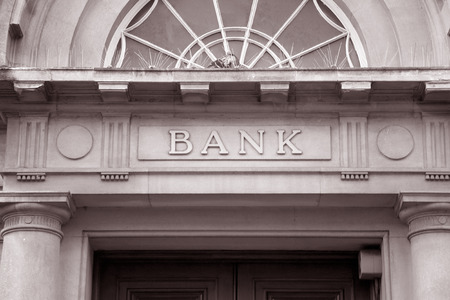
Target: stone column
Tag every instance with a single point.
(428, 217)
(29, 267)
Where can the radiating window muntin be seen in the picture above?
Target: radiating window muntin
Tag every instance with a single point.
(262, 34)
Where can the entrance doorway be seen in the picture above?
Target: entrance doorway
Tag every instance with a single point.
(228, 276)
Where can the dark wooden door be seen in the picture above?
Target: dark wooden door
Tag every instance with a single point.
(169, 281)
(218, 276)
(301, 280)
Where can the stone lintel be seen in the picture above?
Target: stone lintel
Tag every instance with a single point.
(274, 91)
(195, 92)
(114, 91)
(30, 91)
(355, 90)
(437, 91)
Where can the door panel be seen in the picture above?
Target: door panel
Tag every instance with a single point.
(171, 281)
(169, 288)
(299, 281)
(232, 277)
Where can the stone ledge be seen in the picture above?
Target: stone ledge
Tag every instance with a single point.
(282, 75)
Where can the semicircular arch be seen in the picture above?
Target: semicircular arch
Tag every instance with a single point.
(315, 33)
(51, 38)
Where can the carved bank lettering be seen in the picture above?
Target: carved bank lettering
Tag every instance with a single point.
(179, 137)
(234, 142)
(246, 137)
(287, 142)
(214, 141)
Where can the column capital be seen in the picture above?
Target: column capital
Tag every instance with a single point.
(35, 212)
(424, 212)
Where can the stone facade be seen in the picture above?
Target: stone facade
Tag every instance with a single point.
(97, 158)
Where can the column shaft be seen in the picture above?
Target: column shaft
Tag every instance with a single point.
(29, 267)
(429, 235)
(431, 265)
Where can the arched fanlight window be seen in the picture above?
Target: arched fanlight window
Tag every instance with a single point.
(198, 34)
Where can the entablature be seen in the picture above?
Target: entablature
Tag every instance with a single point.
(341, 130)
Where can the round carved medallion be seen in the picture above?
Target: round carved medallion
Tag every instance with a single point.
(74, 142)
(395, 142)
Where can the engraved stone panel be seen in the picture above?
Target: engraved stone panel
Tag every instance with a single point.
(234, 142)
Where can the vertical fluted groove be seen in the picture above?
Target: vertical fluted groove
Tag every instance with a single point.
(353, 135)
(115, 142)
(33, 142)
(436, 143)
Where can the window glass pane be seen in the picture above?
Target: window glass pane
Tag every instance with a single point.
(170, 34)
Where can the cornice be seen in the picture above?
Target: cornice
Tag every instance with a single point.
(91, 90)
(114, 86)
(119, 76)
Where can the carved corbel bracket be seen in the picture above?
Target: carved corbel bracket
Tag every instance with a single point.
(193, 92)
(276, 92)
(355, 90)
(114, 91)
(437, 91)
(30, 91)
